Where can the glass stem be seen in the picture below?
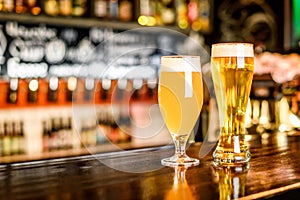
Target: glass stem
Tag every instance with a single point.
(180, 143)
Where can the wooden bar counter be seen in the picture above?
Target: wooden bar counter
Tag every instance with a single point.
(274, 173)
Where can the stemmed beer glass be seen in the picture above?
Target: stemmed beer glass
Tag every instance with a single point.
(180, 98)
(232, 66)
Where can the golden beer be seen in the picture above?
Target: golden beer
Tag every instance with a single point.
(180, 113)
(232, 73)
(180, 98)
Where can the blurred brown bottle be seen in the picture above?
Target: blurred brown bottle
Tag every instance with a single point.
(126, 10)
(20, 6)
(34, 6)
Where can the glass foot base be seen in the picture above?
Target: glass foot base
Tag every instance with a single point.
(226, 158)
(176, 161)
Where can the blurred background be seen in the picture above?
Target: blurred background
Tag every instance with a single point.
(80, 76)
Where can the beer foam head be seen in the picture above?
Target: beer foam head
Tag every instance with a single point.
(232, 50)
(180, 63)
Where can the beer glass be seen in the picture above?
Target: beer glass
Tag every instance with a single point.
(180, 98)
(232, 73)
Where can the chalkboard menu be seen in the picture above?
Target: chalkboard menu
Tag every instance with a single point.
(41, 50)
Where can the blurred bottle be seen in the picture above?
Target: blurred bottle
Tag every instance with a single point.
(51, 7)
(106, 90)
(1, 137)
(204, 16)
(6, 148)
(62, 135)
(23, 92)
(137, 84)
(53, 140)
(34, 6)
(33, 87)
(42, 98)
(46, 135)
(13, 91)
(126, 10)
(20, 6)
(97, 91)
(65, 7)
(152, 89)
(71, 87)
(89, 85)
(99, 8)
(69, 132)
(53, 89)
(21, 135)
(79, 8)
(192, 12)
(113, 9)
(119, 92)
(62, 91)
(8, 5)
(78, 92)
(14, 139)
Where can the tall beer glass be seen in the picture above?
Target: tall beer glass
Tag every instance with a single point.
(180, 97)
(232, 73)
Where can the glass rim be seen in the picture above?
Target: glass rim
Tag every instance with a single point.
(233, 43)
(232, 49)
(180, 56)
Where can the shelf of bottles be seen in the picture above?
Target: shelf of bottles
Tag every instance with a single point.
(41, 118)
(174, 14)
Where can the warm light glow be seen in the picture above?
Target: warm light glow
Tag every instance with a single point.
(151, 21)
(122, 84)
(137, 84)
(294, 119)
(196, 25)
(151, 83)
(33, 85)
(89, 83)
(106, 84)
(72, 83)
(36, 10)
(183, 24)
(13, 84)
(53, 83)
(143, 20)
